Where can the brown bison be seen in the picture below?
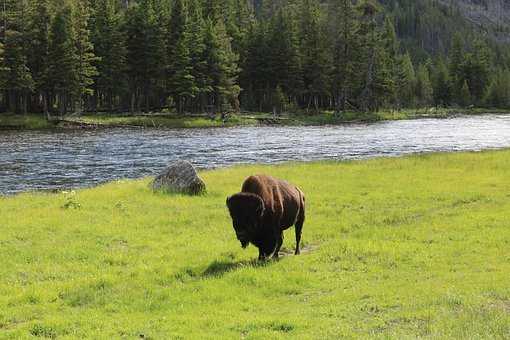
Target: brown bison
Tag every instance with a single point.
(263, 209)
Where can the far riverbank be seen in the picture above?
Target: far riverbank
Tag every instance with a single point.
(169, 120)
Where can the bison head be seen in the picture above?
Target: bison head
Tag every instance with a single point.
(246, 211)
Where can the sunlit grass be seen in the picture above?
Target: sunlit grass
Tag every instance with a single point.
(30, 121)
(169, 121)
(33, 121)
(398, 248)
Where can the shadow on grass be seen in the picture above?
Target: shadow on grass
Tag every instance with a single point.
(220, 268)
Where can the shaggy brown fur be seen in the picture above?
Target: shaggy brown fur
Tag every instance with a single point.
(263, 209)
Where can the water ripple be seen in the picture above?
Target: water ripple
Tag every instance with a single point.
(42, 160)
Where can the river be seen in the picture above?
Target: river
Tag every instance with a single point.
(54, 160)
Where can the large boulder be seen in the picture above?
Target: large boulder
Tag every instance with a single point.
(179, 177)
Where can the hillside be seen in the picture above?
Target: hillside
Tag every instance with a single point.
(429, 25)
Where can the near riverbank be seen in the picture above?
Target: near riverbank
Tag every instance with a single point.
(395, 248)
(34, 122)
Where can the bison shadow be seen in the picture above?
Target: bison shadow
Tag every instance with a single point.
(220, 268)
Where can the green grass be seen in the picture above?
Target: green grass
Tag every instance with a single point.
(414, 247)
(24, 122)
(33, 122)
(167, 121)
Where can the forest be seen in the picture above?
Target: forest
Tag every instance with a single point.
(196, 56)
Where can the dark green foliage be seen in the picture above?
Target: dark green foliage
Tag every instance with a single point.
(15, 76)
(405, 81)
(85, 57)
(424, 90)
(63, 72)
(109, 46)
(345, 54)
(221, 68)
(442, 85)
(316, 61)
(145, 57)
(498, 93)
(211, 55)
(38, 53)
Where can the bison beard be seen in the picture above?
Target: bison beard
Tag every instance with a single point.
(263, 209)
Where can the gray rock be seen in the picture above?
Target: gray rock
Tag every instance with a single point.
(179, 177)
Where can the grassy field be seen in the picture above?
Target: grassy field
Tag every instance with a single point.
(414, 247)
(34, 122)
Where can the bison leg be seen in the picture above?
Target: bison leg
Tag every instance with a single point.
(299, 223)
(298, 229)
(261, 255)
(279, 242)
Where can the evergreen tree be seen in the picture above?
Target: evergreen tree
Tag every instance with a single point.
(196, 52)
(256, 68)
(456, 67)
(316, 61)
(38, 56)
(63, 70)
(279, 100)
(498, 93)
(86, 69)
(346, 52)
(405, 82)
(222, 68)
(424, 91)
(284, 65)
(109, 46)
(181, 79)
(145, 56)
(378, 82)
(15, 76)
(398, 67)
(477, 70)
(464, 99)
(441, 85)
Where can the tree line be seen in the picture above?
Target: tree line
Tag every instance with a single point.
(64, 56)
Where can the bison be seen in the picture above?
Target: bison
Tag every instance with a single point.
(263, 209)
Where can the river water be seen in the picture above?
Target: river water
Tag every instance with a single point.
(53, 160)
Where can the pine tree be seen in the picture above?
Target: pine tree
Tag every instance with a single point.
(456, 67)
(284, 67)
(86, 59)
(424, 91)
(222, 68)
(316, 60)
(378, 81)
(63, 69)
(196, 52)
(181, 80)
(145, 56)
(38, 56)
(346, 49)
(405, 81)
(464, 99)
(178, 22)
(256, 69)
(477, 70)
(109, 46)
(398, 67)
(441, 85)
(498, 93)
(15, 76)
(279, 100)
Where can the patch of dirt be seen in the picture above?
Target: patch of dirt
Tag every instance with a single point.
(304, 250)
